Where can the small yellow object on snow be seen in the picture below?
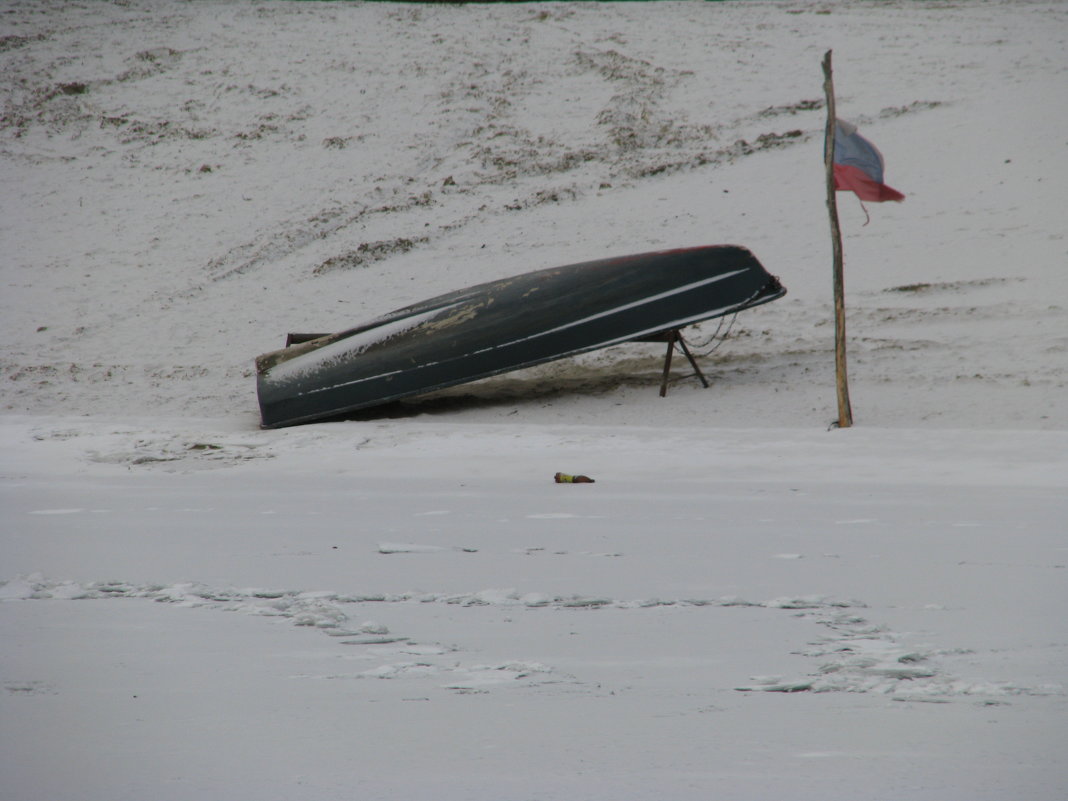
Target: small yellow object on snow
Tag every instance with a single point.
(564, 478)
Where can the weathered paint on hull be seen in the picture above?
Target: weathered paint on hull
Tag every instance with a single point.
(507, 325)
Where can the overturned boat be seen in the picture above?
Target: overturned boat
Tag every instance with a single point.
(506, 325)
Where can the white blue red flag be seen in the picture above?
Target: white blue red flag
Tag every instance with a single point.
(858, 165)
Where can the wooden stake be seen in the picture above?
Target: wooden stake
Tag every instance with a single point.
(845, 412)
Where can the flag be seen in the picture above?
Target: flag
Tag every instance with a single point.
(858, 165)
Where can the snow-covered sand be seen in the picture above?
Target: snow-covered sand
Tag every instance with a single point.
(746, 604)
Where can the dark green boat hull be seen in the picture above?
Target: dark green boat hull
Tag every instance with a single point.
(506, 325)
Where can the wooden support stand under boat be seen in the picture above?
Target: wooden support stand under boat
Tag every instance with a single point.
(674, 339)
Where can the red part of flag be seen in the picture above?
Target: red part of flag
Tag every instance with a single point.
(848, 178)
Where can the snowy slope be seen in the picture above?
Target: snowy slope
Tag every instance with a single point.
(229, 172)
(745, 604)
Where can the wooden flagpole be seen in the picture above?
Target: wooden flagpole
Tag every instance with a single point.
(845, 412)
